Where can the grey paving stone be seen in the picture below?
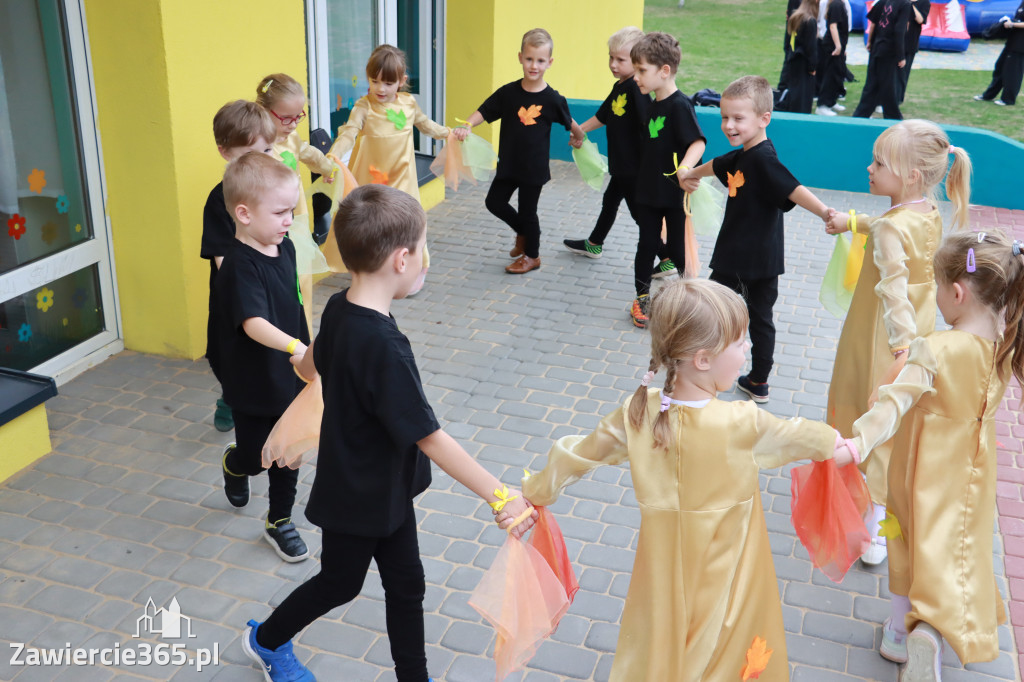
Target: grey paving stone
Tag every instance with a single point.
(64, 602)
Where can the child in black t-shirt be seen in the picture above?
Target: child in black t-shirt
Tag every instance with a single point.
(749, 253)
(238, 127)
(377, 433)
(527, 109)
(887, 31)
(260, 324)
(671, 143)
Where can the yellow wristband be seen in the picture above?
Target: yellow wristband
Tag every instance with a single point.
(290, 348)
(852, 221)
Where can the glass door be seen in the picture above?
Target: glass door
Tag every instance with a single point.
(57, 306)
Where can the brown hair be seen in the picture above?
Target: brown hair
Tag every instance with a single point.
(241, 123)
(624, 37)
(687, 316)
(920, 145)
(537, 37)
(807, 11)
(372, 222)
(657, 49)
(250, 176)
(276, 87)
(755, 88)
(997, 281)
(386, 63)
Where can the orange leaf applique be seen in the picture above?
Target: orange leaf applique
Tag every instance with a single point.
(529, 116)
(757, 660)
(735, 181)
(379, 176)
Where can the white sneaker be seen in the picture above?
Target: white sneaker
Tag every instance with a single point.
(924, 655)
(838, 107)
(825, 111)
(878, 109)
(876, 553)
(894, 644)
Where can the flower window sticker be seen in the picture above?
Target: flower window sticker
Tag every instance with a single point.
(78, 298)
(44, 299)
(63, 204)
(16, 226)
(25, 332)
(78, 227)
(36, 181)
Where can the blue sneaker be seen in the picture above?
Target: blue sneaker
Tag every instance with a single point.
(278, 665)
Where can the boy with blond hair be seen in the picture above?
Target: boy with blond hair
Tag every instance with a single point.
(238, 127)
(527, 108)
(749, 253)
(261, 324)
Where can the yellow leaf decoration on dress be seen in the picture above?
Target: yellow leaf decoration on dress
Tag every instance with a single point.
(735, 181)
(619, 105)
(529, 116)
(758, 656)
(379, 177)
(36, 180)
(890, 527)
(503, 498)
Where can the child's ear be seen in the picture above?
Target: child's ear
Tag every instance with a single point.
(915, 177)
(399, 259)
(665, 71)
(766, 118)
(223, 152)
(243, 214)
(702, 360)
(960, 292)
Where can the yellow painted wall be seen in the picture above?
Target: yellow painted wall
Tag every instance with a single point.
(25, 440)
(162, 68)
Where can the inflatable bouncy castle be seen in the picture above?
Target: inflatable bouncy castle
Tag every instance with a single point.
(977, 16)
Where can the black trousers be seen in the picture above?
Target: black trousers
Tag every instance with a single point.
(832, 75)
(648, 219)
(784, 74)
(251, 433)
(619, 188)
(760, 296)
(344, 560)
(903, 76)
(1006, 76)
(880, 88)
(524, 220)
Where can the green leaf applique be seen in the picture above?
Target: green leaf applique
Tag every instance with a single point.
(396, 116)
(289, 160)
(655, 125)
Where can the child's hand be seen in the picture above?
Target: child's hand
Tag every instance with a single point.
(329, 179)
(512, 510)
(837, 51)
(689, 182)
(837, 222)
(461, 133)
(844, 453)
(576, 140)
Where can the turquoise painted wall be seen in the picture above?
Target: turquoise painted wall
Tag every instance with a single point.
(834, 153)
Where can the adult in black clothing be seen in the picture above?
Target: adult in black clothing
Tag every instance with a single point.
(887, 45)
(802, 27)
(791, 6)
(1009, 68)
(918, 16)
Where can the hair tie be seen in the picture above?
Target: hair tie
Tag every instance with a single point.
(666, 402)
(266, 86)
(1015, 247)
(952, 149)
(981, 237)
(971, 266)
(646, 381)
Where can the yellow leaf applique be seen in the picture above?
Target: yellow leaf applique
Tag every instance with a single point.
(529, 116)
(619, 105)
(758, 656)
(735, 181)
(889, 527)
(379, 177)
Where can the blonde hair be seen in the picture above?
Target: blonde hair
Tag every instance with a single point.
(373, 221)
(657, 49)
(807, 11)
(276, 87)
(687, 316)
(387, 63)
(923, 146)
(755, 88)
(997, 280)
(624, 37)
(537, 37)
(250, 176)
(241, 123)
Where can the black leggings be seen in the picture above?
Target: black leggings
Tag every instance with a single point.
(251, 433)
(344, 560)
(524, 221)
(760, 296)
(649, 218)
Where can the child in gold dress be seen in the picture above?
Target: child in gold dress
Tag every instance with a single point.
(703, 602)
(940, 414)
(894, 300)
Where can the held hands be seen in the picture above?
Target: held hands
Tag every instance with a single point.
(461, 133)
(836, 222)
(576, 138)
(512, 510)
(688, 181)
(843, 453)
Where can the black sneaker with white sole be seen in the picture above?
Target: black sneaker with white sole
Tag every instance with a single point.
(236, 487)
(757, 392)
(284, 537)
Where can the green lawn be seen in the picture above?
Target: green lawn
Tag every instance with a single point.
(724, 39)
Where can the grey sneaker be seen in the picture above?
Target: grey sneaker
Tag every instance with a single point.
(894, 644)
(924, 655)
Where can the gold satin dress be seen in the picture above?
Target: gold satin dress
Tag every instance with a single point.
(703, 583)
(940, 417)
(893, 303)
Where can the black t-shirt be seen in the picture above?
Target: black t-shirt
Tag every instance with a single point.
(914, 28)
(624, 113)
(375, 412)
(750, 242)
(836, 14)
(1015, 41)
(524, 143)
(805, 45)
(670, 127)
(258, 380)
(218, 239)
(888, 37)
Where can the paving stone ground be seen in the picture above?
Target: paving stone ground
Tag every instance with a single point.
(129, 504)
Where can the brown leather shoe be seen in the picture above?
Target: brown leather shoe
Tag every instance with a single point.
(517, 250)
(522, 265)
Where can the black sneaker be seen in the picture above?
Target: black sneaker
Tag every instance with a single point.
(223, 420)
(583, 247)
(664, 269)
(757, 392)
(236, 487)
(284, 537)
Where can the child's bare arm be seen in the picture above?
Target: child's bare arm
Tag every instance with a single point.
(576, 135)
(462, 132)
(841, 222)
(690, 180)
(804, 198)
(834, 30)
(304, 363)
(590, 124)
(692, 155)
(261, 331)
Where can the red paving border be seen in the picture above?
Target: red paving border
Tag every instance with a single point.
(1010, 452)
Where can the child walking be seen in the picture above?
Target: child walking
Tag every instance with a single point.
(1008, 71)
(749, 253)
(238, 127)
(894, 301)
(261, 324)
(379, 131)
(624, 112)
(833, 74)
(527, 108)
(377, 434)
(940, 415)
(672, 143)
(802, 30)
(703, 591)
(887, 24)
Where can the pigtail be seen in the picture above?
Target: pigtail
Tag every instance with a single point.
(638, 404)
(1013, 335)
(662, 430)
(958, 186)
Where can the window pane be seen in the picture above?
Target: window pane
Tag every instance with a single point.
(47, 321)
(351, 36)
